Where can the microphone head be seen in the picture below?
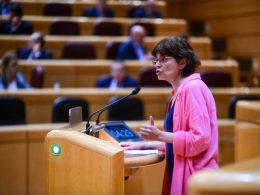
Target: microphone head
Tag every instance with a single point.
(136, 90)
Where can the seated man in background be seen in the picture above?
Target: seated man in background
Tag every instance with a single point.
(5, 7)
(15, 24)
(100, 10)
(11, 78)
(118, 78)
(134, 48)
(35, 48)
(148, 11)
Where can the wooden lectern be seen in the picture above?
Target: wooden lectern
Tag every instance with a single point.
(80, 164)
(77, 163)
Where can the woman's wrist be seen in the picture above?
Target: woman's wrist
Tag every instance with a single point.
(166, 137)
(154, 145)
(149, 144)
(146, 145)
(161, 136)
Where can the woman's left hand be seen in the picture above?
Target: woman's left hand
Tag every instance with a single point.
(150, 132)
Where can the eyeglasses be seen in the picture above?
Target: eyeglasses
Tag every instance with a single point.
(162, 61)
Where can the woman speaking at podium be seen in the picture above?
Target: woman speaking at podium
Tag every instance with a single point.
(190, 136)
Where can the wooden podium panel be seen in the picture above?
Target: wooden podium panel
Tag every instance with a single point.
(85, 165)
(13, 152)
(35, 155)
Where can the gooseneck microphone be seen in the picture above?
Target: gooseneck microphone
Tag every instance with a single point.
(100, 111)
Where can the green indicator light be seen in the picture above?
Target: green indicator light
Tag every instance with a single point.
(56, 149)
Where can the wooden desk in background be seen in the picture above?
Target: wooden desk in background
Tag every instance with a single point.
(84, 73)
(163, 27)
(247, 130)
(32, 7)
(202, 46)
(39, 101)
(241, 178)
(22, 164)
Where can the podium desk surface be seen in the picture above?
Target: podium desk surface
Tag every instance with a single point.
(137, 158)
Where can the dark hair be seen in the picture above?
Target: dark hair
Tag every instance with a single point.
(178, 48)
(16, 9)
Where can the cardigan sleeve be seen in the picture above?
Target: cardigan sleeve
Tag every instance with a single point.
(195, 118)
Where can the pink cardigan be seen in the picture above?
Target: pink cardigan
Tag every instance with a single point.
(195, 140)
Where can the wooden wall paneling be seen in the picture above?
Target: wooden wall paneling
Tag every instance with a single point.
(196, 10)
(235, 20)
(234, 26)
(244, 46)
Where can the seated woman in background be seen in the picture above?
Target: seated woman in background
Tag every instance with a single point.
(11, 78)
(35, 49)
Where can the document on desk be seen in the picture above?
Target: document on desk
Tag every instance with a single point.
(141, 151)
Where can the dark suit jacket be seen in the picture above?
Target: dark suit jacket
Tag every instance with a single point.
(24, 28)
(94, 12)
(126, 51)
(5, 8)
(141, 13)
(24, 53)
(105, 81)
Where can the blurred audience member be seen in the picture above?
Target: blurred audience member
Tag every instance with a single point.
(134, 48)
(148, 11)
(11, 78)
(5, 7)
(15, 24)
(35, 48)
(118, 78)
(100, 10)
